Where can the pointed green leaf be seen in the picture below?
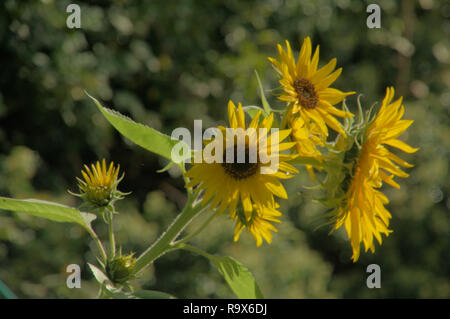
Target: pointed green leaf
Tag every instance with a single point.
(265, 104)
(142, 135)
(152, 294)
(53, 211)
(108, 287)
(238, 277)
(99, 275)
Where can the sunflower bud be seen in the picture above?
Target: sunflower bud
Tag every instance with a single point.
(99, 187)
(120, 269)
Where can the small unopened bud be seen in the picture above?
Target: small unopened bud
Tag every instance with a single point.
(120, 268)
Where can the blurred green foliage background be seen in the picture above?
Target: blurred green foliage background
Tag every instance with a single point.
(166, 63)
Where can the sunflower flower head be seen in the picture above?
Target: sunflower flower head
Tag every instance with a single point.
(307, 89)
(98, 188)
(367, 162)
(245, 182)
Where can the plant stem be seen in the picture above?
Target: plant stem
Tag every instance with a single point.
(195, 233)
(164, 242)
(112, 240)
(186, 180)
(195, 250)
(99, 244)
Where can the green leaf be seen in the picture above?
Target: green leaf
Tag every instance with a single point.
(239, 278)
(108, 286)
(99, 275)
(142, 135)
(52, 211)
(152, 294)
(265, 104)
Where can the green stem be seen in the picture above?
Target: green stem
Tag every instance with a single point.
(99, 244)
(185, 178)
(198, 231)
(164, 242)
(195, 250)
(100, 292)
(112, 240)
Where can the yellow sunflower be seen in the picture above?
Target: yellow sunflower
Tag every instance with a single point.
(244, 185)
(307, 89)
(363, 212)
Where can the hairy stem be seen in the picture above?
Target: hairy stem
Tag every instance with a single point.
(195, 250)
(112, 240)
(99, 244)
(164, 242)
(196, 232)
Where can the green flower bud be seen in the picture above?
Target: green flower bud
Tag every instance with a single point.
(120, 268)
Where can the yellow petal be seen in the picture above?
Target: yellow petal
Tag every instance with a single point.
(401, 146)
(255, 120)
(324, 71)
(324, 83)
(333, 96)
(275, 187)
(304, 58)
(331, 121)
(317, 118)
(232, 115)
(327, 107)
(314, 63)
(241, 116)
